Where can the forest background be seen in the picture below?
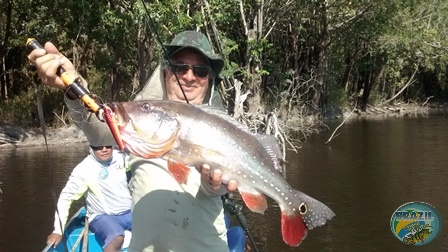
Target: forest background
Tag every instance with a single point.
(285, 59)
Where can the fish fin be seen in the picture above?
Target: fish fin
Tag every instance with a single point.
(179, 171)
(219, 113)
(315, 213)
(293, 229)
(254, 200)
(270, 143)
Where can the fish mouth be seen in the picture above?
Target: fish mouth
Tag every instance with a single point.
(116, 118)
(121, 116)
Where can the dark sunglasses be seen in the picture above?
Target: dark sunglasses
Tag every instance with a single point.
(101, 147)
(199, 71)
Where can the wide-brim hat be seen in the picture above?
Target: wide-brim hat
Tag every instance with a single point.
(199, 42)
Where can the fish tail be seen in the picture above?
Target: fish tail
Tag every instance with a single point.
(293, 229)
(301, 213)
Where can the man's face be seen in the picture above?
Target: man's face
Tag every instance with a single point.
(103, 153)
(194, 82)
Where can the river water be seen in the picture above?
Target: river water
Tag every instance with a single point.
(364, 174)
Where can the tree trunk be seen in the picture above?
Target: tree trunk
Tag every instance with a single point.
(3, 47)
(320, 90)
(254, 34)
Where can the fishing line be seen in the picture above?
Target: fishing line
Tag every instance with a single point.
(40, 112)
(152, 27)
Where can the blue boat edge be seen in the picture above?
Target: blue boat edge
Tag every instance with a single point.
(236, 237)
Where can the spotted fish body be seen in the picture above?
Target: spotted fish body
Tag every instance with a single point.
(188, 135)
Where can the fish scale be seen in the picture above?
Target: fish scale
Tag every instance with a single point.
(187, 135)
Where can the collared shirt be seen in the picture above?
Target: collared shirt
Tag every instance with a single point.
(105, 187)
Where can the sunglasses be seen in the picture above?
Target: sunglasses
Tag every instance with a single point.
(198, 71)
(101, 147)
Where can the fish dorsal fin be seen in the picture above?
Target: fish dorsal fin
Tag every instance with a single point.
(223, 115)
(269, 142)
(273, 149)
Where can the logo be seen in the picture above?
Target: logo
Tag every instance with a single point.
(416, 223)
(103, 174)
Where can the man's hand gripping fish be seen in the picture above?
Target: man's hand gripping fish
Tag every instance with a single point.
(189, 135)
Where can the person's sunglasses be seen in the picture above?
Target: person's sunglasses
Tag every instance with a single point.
(199, 71)
(101, 147)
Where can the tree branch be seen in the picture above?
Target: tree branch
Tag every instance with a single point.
(340, 125)
(410, 81)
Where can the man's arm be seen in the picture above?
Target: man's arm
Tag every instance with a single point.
(96, 131)
(74, 189)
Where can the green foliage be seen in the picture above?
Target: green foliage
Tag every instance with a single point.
(23, 110)
(328, 48)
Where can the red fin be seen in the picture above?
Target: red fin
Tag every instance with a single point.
(179, 171)
(255, 201)
(293, 229)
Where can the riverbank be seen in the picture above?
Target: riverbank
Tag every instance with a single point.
(12, 136)
(389, 111)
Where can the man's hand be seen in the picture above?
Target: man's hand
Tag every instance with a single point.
(54, 238)
(214, 180)
(47, 62)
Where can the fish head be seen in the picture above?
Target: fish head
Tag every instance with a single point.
(147, 130)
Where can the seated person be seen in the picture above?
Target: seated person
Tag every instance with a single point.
(102, 174)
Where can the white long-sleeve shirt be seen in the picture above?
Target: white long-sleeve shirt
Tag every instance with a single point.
(106, 187)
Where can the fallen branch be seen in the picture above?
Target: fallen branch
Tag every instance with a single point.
(340, 125)
(410, 81)
(427, 100)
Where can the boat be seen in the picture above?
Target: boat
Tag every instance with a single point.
(75, 241)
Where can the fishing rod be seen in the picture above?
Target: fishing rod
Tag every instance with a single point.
(235, 209)
(73, 84)
(75, 89)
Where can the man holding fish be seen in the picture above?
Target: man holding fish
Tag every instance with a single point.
(175, 209)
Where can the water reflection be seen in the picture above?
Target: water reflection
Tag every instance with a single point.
(26, 209)
(364, 175)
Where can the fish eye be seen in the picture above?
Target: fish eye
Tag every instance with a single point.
(303, 208)
(146, 106)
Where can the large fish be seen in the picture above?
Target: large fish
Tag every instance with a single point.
(189, 135)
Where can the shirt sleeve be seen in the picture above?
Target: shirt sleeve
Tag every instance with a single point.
(74, 189)
(209, 191)
(96, 131)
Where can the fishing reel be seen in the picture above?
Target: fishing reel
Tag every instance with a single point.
(231, 208)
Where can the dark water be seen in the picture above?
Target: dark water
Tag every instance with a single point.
(364, 175)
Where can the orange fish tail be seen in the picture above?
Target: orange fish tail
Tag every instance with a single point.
(293, 229)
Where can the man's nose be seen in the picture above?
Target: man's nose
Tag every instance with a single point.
(189, 75)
